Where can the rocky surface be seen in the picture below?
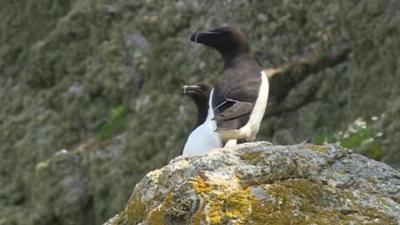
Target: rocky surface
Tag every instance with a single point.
(101, 79)
(258, 183)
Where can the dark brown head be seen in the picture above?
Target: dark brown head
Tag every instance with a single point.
(226, 40)
(200, 93)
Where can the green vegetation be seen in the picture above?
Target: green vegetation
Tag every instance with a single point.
(374, 151)
(326, 138)
(357, 137)
(116, 123)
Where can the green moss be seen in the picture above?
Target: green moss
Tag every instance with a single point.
(302, 202)
(374, 151)
(322, 57)
(117, 122)
(135, 211)
(294, 195)
(251, 156)
(319, 140)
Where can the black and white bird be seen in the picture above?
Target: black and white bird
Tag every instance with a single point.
(239, 97)
(203, 137)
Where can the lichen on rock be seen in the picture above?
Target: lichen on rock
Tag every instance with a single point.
(258, 183)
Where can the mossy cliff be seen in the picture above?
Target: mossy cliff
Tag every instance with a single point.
(257, 183)
(101, 79)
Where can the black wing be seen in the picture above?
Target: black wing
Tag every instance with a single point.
(235, 93)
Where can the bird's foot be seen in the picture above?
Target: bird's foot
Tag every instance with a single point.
(230, 143)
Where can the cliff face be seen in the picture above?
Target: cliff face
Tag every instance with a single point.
(66, 68)
(374, 91)
(102, 80)
(258, 183)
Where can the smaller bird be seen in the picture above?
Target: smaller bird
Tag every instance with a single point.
(200, 94)
(203, 137)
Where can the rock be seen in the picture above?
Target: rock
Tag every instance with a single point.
(258, 183)
(69, 182)
(60, 189)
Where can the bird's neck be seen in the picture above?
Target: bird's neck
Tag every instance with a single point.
(230, 59)
(233, 53)
(202, 110)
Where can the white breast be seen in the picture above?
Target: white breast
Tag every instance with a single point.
(204, 138)
(250, 130)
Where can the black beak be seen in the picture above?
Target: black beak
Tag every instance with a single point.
(189, 89)
(194, 37)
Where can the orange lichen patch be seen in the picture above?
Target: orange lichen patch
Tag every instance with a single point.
(200, 185)
(222, 201)
(238, 205)
(292, 201)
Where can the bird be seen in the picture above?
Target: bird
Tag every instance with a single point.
(203, 137)
(240, 94)
(200, 94)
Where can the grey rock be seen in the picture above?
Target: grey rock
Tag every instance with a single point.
(258, 183)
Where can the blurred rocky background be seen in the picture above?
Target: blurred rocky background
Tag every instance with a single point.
(90, 91)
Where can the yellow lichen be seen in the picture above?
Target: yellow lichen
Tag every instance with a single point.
(318, 148)
(238, 205)
(158, 215)
(302, 202)
(200, 185)
(136, 210)
(222, 201)
(251, 156)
